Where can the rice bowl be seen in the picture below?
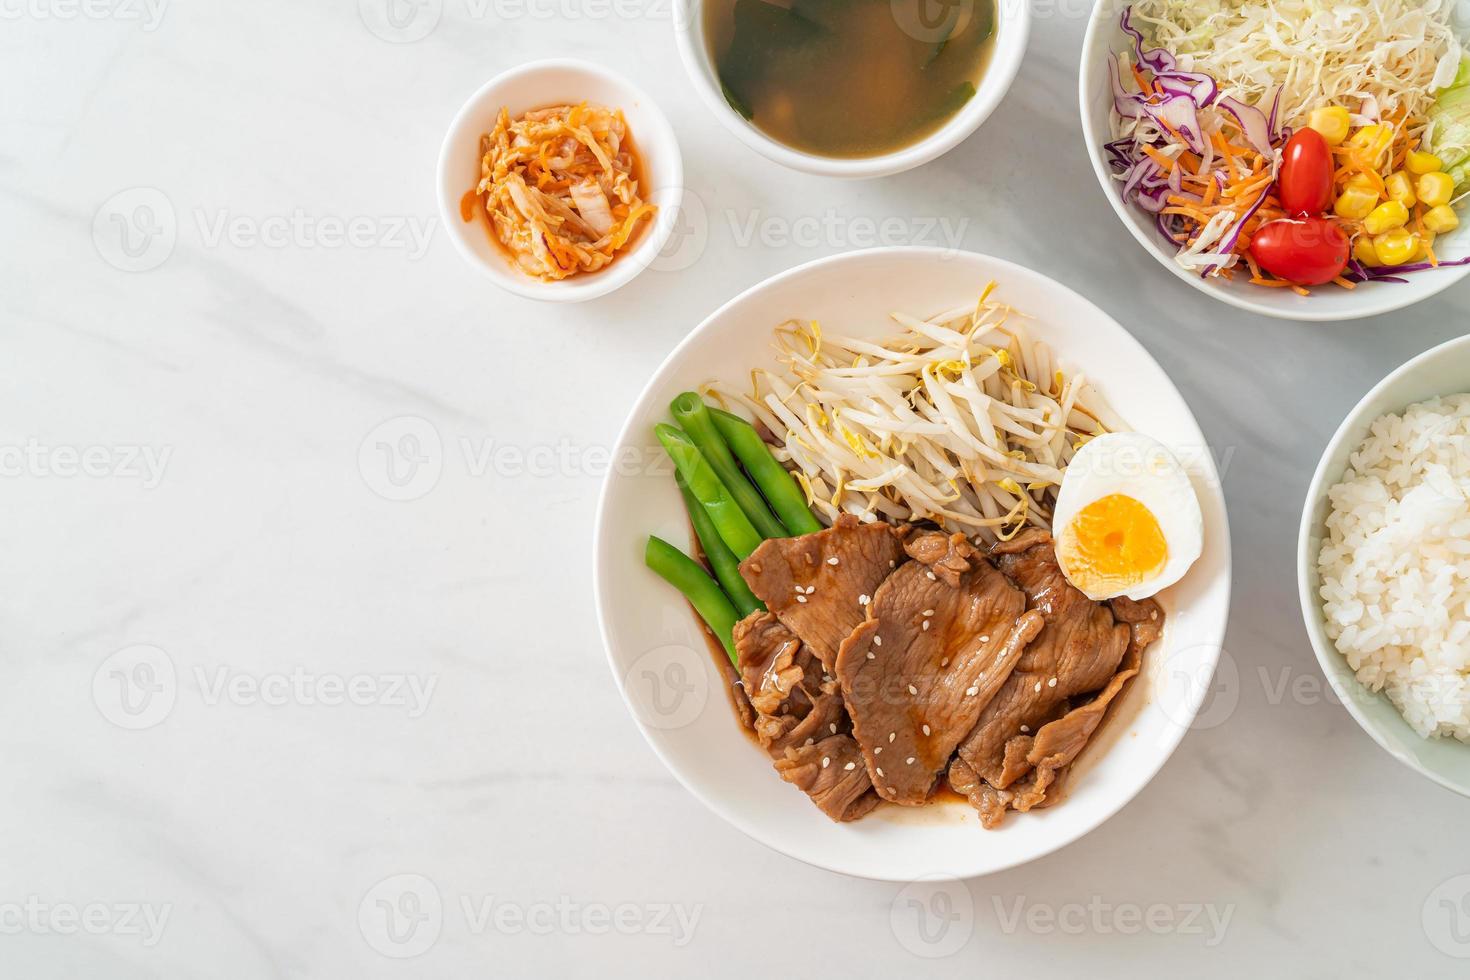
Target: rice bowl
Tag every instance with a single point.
(1395, 566)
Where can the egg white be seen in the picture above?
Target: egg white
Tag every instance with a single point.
(1141, 467)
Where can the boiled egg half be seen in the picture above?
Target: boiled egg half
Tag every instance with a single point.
(1127, 521)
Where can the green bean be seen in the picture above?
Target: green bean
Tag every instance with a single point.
(690, 411)
(729, 520)
(684, 574)
(721, 558)
(779, 486)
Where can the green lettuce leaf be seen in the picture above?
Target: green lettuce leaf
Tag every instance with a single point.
(1451, 118)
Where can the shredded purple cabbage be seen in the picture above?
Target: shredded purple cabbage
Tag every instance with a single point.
(1358, 272)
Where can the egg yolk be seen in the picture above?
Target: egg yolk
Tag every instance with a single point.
(1112, 545)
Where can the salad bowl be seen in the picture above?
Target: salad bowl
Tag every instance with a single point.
(670, 678)
(1105, 36)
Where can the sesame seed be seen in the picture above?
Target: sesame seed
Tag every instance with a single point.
(910, 761)
(928, 612)
(863, 600)
(810, 589)
(930, 576)
(877, 641)
(1038, 686)
(944, 662)
(1052, 682)
(833, 727)
(832, 560)
(892, 563)
(825, 760)
(850, 766)
(801, 598)
(913, 690)
(924, 625)
(971, 691)
(891, 737)
(926, 729)
(1154, 614)
(1025, 728)
(810, 741)
(984, 639)
(798, 590)
(880, 770)
(872, 655)
(878, 750)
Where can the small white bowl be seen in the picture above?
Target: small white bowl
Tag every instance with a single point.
(1326, 303)
(669, 677)
(1012, 28)
(1443, 370)
(534, 86)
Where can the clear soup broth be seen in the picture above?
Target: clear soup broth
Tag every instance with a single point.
(849, 78)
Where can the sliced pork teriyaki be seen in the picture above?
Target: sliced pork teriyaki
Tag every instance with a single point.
(1047, 710)
(941, 636)
(800, 718)
(819, 584)
(875, 660)
(1076, 653)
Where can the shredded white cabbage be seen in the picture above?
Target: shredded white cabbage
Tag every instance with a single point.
(962, 419)
(1372, 57)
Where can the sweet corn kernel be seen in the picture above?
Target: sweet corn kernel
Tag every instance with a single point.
(1332, 122)
(1364, 183)
(1401, 189)
(1374, 138)
(1419, 162)
(1436, 188)
(1441, 219)
(1395, 247)
(1364, 251)
(1355, 203)
(1386, 217)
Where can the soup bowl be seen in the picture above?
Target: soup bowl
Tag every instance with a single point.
(1012, 28)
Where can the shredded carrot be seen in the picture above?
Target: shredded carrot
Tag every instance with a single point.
(1344, 283)
(559, 188)
(1168, 163)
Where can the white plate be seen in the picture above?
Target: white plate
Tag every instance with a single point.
(1325, 303)
(668, 676)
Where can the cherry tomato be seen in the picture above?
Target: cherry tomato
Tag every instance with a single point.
(1309, 251)
(1305, 181)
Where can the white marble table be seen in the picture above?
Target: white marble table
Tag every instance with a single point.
(251, 704)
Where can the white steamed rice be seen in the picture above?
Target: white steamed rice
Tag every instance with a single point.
(1395, 564)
